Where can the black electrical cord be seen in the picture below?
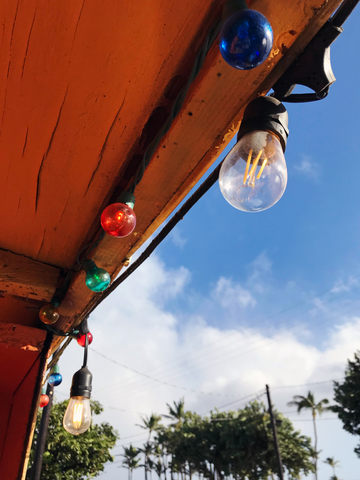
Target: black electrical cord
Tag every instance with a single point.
(343, 12)
(179, 215)
(86, 351)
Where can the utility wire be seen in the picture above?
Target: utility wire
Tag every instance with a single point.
(160, 381)
(134, 381)
(131, 382)
(248, 351)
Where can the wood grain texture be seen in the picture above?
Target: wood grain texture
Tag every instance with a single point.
(216, 102)
(27, 278)
(79, 80)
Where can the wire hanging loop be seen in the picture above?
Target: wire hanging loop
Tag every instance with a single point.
(312, 68)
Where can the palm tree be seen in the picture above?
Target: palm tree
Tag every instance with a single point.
(152, 424)
(147, 450)
(332, 463)
(309, 403)
(130, 462)
(177, 413)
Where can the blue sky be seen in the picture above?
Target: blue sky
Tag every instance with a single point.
(231, 301)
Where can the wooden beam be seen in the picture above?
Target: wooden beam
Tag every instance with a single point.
(24, 277)
(207, 122)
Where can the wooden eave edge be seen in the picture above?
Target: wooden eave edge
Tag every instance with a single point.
(24, 277)
(303, 21)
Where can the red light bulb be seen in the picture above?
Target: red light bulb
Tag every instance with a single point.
(81, 339)
(118, 220)
(44, 400)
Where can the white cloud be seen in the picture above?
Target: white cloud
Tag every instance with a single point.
(308, 168)
(341, 286)
(231, 295)
(135, 327)
(177, 238)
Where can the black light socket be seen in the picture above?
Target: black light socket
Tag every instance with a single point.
(268, 114)
(81, 383)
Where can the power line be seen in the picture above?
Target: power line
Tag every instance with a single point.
(307, 384)
(141, 389)
(130, 383)
(284, 322)
(160, 381)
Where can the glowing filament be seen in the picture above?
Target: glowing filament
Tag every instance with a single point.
(252, 173)
(77, 415)
(247, 166)
(253, 170)
(262, 168)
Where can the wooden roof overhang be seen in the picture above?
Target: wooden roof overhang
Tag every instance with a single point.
(84, 87)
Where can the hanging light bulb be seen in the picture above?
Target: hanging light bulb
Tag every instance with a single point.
(119, 219)
(77, 418)
(97, 279)
(55, 378)
(84, 334)
(44, 399)
(81, 339)
(246, 37)
(49, 314)
(253, 176)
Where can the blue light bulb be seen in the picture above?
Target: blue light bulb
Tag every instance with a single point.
(55, 379)
(246, 39)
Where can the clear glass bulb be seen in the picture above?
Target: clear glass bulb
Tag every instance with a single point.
(253, 176)
(77, 418)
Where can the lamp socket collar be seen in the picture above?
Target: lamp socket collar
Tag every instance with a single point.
(88, 265)
(81, 383)
(127, 198)
(268, 114)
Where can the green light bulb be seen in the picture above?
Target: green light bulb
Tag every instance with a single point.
(97, 279)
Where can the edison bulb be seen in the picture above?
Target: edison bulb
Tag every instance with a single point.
(77, 418)
(253, 176)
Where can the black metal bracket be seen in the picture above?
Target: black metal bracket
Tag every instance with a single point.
(311, 69)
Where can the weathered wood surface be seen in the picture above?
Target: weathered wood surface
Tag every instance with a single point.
(25, 277)
(78, 81)
(216, 102)
(24, 338)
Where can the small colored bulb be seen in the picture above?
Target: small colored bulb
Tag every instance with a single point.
(49, 314)
(97, 279)
(118, 220)
(44, 400)
(246, 39)
(55, 379)
(81, 339)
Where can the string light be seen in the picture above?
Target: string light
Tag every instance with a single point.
(81, 339)
(49, 314)
(77, 418)
(97, 279)
(44, 399)
(246, 37)
(253, 176)
(55, 378)
(119, 219)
